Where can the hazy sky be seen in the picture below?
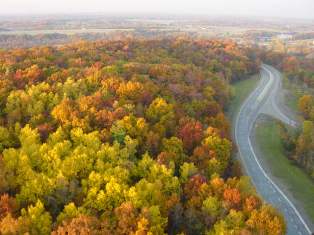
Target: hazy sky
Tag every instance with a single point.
(279, 8)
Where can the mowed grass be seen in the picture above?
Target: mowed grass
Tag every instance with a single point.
(294, 179)
(295, 91)
(292, 101)
(241, 91)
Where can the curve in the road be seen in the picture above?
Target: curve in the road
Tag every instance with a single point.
(276, 112)
(266, 187)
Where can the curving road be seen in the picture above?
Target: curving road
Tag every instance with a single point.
(263, 100)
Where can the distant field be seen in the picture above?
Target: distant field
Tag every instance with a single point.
(60, 31)
(241, 90)
(298, 183)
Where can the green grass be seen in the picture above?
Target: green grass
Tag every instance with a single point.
(296, 181)
(295, 92)
(241, 90)
(292, 101)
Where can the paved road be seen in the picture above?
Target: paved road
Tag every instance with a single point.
(263, 100)
(270, 106)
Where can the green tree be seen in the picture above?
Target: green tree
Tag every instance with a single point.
(36, 219)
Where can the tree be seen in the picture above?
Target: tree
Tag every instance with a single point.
(33, 74)
(174, 147)
(211, 206)
(306, 139)
(130, 125)
(156, 223)
(81, 225)
(305, 105)
(290, 65)
(162, 115)
(126, 215)
(186, 171)
(35, 219)
(232, 197)
(130, 90)
(9, 225)
(70, 211)
(8, 205)
(105, 199)
(5, 139)
(266, 220)
(191, 133)
(251, 203)
(221, 148)
(201, 157)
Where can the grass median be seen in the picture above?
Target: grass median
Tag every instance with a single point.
(291, 176)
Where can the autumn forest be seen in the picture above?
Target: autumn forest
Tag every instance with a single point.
(125, 137)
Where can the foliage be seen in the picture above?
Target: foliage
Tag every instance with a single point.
(123, 137)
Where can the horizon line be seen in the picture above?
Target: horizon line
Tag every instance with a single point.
(153, 14)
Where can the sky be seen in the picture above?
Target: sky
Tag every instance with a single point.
(270, 8)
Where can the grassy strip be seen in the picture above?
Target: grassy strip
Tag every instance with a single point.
(241, 90)
(296, 181)
(292, 101)
(295, 92)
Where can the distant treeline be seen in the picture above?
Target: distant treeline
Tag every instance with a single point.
(26, 40)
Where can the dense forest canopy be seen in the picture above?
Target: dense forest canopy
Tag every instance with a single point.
(124, 137)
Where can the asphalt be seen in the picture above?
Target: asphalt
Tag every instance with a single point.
(264, 100)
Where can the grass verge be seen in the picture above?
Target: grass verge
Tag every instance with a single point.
(291, 176)
(241, 91)
(294, 93)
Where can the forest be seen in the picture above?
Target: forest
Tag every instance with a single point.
(125, 137)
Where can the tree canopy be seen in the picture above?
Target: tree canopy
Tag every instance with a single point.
(124, 137)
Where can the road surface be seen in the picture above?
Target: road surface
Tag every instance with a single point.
(263, 100)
